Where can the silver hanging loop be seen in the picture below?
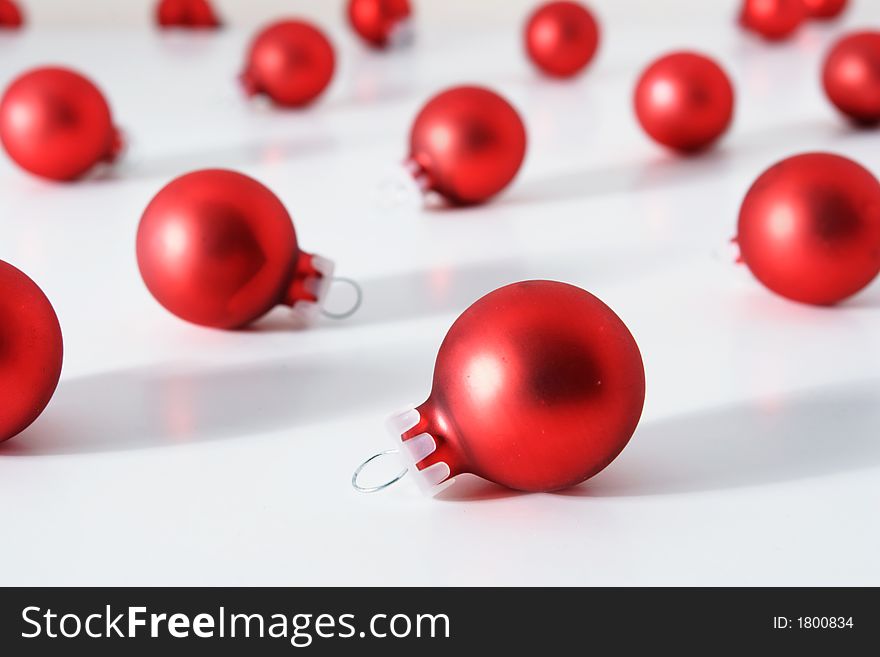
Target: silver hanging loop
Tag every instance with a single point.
(359, 298)
(374, 489)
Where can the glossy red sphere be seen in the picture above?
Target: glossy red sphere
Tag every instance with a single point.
(774, 20)
(824, 9)
(851, 76)
(467, 144)
(218, 248)
(56, 124)
(684, 101)
(809, 228)
(11, 17)
(537, 386)
(378, 21)
(31, 351)
(191, 14)
(561, 38)
(291, 62)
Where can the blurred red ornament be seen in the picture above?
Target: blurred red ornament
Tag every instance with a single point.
(824, 9)
(562, 38)
(292, 62)
(467, 144)
(774, 20)
(809, 228)
(851, 76)
(684, 101)
(192, 14)
(218, 248)
(11, 16)
(31, 351)
(538, 386)
(379, 22)
(56, 123)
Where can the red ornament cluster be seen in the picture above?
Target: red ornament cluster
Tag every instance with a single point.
(186, 14)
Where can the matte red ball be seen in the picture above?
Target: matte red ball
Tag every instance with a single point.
(538, 386)
(851, 76)
(562, 38)
(824, 9)
(467, 144)
(56, 124)
(809, 228)
(11, 16)
(684, 101)
(378, 22)
(775, 20)
(291, 62)
(31, 351)
(191, 14)
(218, 248)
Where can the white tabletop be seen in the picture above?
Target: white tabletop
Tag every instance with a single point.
(173, 454)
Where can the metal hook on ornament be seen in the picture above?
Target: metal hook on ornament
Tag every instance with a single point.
(359, 299)
(374, 489)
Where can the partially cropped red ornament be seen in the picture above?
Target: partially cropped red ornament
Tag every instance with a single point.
(187, 14)
(538, 386)
(774, 20)
(379, 22)
(56, 124)
(218, 248)
(291, 62)
(466, 144)
(31, 351)
(809, 228)
(11, 16)
(824, 9)
(684, 101)
(562, 38)
(851, 76)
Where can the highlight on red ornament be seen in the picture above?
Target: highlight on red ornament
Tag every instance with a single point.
(55, 123)
(11, 16)
(291, 62)
(561, 38)
(538, 386)
(851, 76)
(31, 351)
(381, 23)
(187, 14)
(809, 228)
(684, 101)
(824, 9)
(774, 20)
(466, 144)
(218, 248)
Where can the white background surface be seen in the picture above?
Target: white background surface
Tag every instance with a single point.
(173, 454)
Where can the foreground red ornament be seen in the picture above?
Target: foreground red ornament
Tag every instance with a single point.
(56, 123)
(824, 9)
(561, 38)
(851, 76)
(538, 386)
(11, 17)
(188, 14)
(684, 101)
(775, 20)
(218, 248)
(31, 351)
(809, 228)
(466, 144)
(379, 22)
(291, 62)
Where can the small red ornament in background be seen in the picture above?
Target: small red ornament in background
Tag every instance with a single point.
(851, 76)
(684, 101)
(11, 17)
(824, 9)
(31, 351)
(809, 228)
(218, 248)
(56, 124)
(538, 386)
(466, 144)
(290, 61)
(188, 14)
(775, 20)
(561, 38)
(379, 22)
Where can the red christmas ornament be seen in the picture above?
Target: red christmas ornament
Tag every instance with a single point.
(467, 144)
(538, 386)
(851, 76)
(562, 38)
(379, 22)
(10, 15)
(31, 351)
(55, 123)
(824, 9)
(218, 248)
(684, 101)
(774, 20)
(292, 62)
(809, 228)
(190, 14)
